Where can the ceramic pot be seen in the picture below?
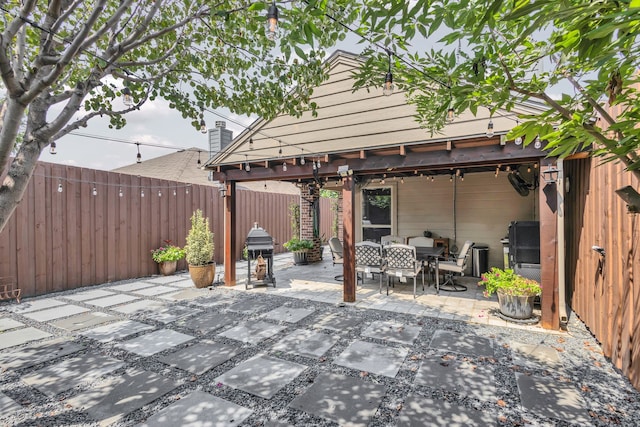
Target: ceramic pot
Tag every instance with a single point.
(516, 307)
(167, 268)
(202, 275)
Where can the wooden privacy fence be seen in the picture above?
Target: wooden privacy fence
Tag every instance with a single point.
(78, 227)
(604, 291)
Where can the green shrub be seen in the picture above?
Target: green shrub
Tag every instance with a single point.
(199, 247)
(508, 282)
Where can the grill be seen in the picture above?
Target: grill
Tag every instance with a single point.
(260, 243)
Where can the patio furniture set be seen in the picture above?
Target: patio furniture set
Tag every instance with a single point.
(392, 259)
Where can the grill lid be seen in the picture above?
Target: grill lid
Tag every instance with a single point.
(259, 239)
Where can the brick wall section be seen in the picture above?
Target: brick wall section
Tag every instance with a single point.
(309, 195)
(340, 216)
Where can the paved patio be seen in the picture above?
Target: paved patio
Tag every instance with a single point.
(155, 351)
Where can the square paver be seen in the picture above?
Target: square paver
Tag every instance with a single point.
(261, 375)
(338, 322)
(549, 398)
(419, 411)
(8, 405)
(154, 342)
(199, 409)
(154, 290)
(307, 343)
(21, 336)
(119, 396)
(393, 331)
(56, 313)
(41, 304)
(112, 300)
(7, 324)
(82, 321)
(171, 314)
(87, 295)
(208, 322)
(535, 356)
(374, 358)
(201, 357)
(115, 331)
(469, 344)
(288, 314)
(250, 306)
(130, 287)
(340, 398)
(38, 353)
(140, 306)
(70, 373)
(454, 374)
(252, 332)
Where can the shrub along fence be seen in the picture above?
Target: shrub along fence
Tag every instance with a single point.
(77, 227)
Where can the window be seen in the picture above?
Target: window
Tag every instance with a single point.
(377, 213)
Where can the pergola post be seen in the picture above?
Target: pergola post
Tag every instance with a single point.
(348, 244)
(229, 232)
(548, 252)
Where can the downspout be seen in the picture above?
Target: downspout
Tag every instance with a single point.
(561, 247)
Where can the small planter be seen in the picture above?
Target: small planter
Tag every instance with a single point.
(167, 268)
(202, 275)
(516, 307)
(300, 258)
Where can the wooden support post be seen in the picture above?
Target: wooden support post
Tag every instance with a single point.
(348, 244)
(229, 232)
(548, 255)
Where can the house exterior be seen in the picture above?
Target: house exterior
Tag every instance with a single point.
(396, 178)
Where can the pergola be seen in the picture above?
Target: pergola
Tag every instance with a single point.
(364, 135)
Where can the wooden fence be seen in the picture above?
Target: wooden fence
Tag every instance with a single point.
(604, 291)
(78, 227)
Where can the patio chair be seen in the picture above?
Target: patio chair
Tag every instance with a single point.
(369, 260)
(335, 245)
(387, 240)
(457, 266)
(400, 261)
(426, 242)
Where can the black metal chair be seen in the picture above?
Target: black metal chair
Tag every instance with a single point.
(457, 266)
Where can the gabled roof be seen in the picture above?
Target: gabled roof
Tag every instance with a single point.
(350, 123)
(182, 166)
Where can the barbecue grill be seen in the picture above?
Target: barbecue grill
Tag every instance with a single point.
(259, 242)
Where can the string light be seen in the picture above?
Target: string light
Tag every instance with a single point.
(186, 191)
(59, 187)
(127, 99)
(518, 140)
(402, 180)
(175, 193)
(138, 156)
(203, 124)
(432, 179)
(94, 191)
(302, 161)
(489, 132)
(247, 167)
(159, 193)
(120, 194)
(388, 78)
(451, 113)
(284, 166)
(52, 147)
(199, 162)
(272, 21)
(250, 143)
(141, 193)
(537, 144)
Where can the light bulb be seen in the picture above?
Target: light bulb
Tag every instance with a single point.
(272, 21)
(450, 115)
(250, 143)
(52, 148)
(186, 191)
(94, 191)
(127, 99)
(175, 193)
(537, 144)
(247, 167)
(284, 166)
(490, 129)
(388, 84)
(302, 161)
(141, 193)
(138, 158)
(518, 140)
(159, 193)
(203, 126)
(60, 188)
(120, 193)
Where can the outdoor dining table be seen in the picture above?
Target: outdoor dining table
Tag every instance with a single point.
(428, 255)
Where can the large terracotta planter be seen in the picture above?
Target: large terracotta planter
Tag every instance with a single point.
(202, 275)
(516, 307)
(167, 268)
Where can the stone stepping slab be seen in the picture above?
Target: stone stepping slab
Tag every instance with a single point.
(345, 400)
(115, 331)
(70, 373)
(87, 295)
(185, 294)
(119, 396)
(535, 356)
(208, 322)
(130, 287)
(199, 409)
(154, 342)
(38, 353)
(392, 331)
(154, 290)
(306, 343)
(171, 314)
(8, 405)
(34, 305)
(83, 321)
(249, 306)
(252, 332)
(375, 358)
(21, 336)
(188, 283)
(338, 322)
(201, 357)
(454, 374)
(56, 313)
(111, 300)
(261, 375)
(165, 280)
(7, 324)
(467, 344)
(549, 398)
(140, 306)
(288, 314)
(418, 411)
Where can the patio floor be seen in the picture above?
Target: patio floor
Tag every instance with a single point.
(155, 351)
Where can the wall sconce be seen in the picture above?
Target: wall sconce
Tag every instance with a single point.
(631, 197)
(223, 191)
(550, 175)
(344, 171)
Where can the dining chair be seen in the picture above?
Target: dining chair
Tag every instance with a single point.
(387, 240)
(426, 242)
(335, 245)
(401, 261)
(369, 260)
(455, 267)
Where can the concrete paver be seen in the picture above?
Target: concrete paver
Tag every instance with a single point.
(419, 411)
(130, 287)
(252, 332)
(34, 305)
(208, 322)
(171, 314)
(6, 324)
(116, 331)
(469, 344)
(249, 306)
(288, 314)
(535, 356)
(393, 331)
(139, 306)
(199, 409)
(55, 313)
(83, 320)
(7, 405)
(154, 290)
(201, 357)
(90, 294)
(38, 353)
(154, 342)
(21, 336)
(306, 343)
(336, 322)
(111, 300)
(374, 358)
(454, 374)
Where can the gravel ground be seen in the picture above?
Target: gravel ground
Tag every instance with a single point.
(607, 394)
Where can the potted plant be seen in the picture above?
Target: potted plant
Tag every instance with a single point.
(167, 257)
(299, 247)
(199, 250)
(515, 293)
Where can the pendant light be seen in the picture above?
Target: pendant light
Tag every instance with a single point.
(138, 156)
(272, 21)
(388, 78)
(489, 132)
(127, 98)
(52, 148)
